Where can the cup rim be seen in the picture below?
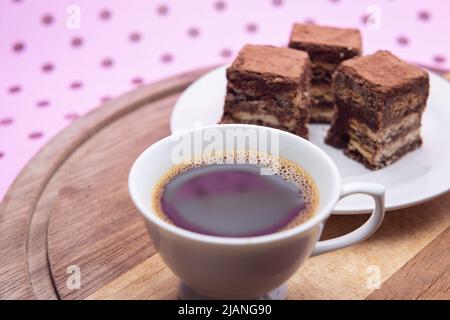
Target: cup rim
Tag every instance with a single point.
(318, 216)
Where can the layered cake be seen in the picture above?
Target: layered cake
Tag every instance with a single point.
(380, 100)
(269, 86)
(327, 48)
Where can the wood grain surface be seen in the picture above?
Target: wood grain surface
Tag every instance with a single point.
(70, 207)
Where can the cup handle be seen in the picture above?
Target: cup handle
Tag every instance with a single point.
(376, 191)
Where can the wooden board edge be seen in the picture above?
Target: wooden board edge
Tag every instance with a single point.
(18, 205)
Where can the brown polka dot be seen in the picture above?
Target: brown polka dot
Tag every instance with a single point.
(71, 116)
(137, 81)
(220, 5)
(105, 98)
(364, 19)
(4, 122)
(105, 14)
(277, 3)
(166, 58)
(135, 37)
(251, 28)
(424, 15)
(76, 85)
(162, 10)
(226, 53)
(107, 63)
(35, 135)
(310, 21)
(403, 41)
(47, 67)
(15, 89)
(193, 32)
(2, 154)
(18, 47)
(439, 58)
(76, 42)
(42, 103)
(47, 19)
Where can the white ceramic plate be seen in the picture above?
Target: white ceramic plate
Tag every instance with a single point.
(415, 178)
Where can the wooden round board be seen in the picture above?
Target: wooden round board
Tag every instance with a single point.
(69, 211)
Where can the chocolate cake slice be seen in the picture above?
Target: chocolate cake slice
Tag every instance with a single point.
(269, 86)
(380, 100)
(327, 48)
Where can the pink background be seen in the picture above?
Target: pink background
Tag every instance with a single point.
(50, 75)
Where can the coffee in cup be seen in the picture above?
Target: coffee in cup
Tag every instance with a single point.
(238, 194)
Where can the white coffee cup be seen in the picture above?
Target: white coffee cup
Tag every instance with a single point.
(224, 267)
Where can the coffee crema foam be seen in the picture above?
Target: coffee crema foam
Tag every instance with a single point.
(289, 171)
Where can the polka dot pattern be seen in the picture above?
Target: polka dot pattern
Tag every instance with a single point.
(75, 85)
(42, 103)
(47, 67)
(76, 42)
(403, 40)
(166, 58)
(277, 3)
(15, 89)
(6, 121)
(105, 14)
(107, 63)
(18, 47)
(220, 5)
(135, 37)
(53, 75)
(35, 135)
(193, 32)
(251, 27)
(137, 81)
(162, 10)
(424, 15)
(47, 19)
(226, 53)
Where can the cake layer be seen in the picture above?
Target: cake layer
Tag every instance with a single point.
(321, 93)
(300, 95)
(375, 153)
(253, 85)
(287, 114)
(359, 93)
(300, 128)
(323, 72)
(265, 117)
(266, 70)
(372, 118)
(322, 113)
(283, 109)
(391, 132)
(327, 44)
(358, 154)
(322, 108)
(325, 66)
(284, 112)
(337, 135)
(395, 104)
(378, 147)
(282, 64)
(385, 73)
